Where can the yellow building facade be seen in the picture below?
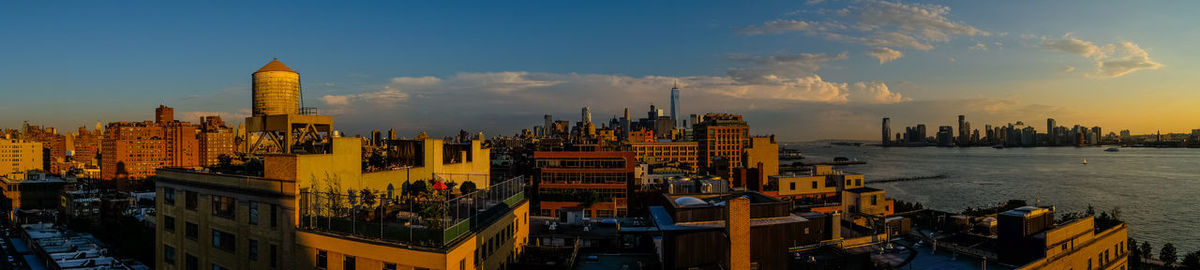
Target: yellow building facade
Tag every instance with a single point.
(211, 220)
(762, 149)
(18, 157)
(1079, 245)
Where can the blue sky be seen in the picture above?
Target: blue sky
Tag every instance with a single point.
(497, 66)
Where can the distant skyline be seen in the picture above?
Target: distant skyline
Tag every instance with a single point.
(803, 70)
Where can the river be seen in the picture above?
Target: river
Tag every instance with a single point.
(1157, 189)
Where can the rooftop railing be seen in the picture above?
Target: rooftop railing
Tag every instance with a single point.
(430, 219)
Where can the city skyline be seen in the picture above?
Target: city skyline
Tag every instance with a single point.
(803, 70)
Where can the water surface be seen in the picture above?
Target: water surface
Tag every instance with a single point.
(1155, 188)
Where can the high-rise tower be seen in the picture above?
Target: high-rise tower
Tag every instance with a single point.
(587, 114)
(276, 90)
(962, 130)
(675, 103)
(887, 130)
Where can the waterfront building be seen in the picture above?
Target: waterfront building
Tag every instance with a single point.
(17, 157)
(963, 131)
(721, 135)
(596, 183)
(887, 131)
(945, 136)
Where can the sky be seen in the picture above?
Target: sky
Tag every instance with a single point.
(802, 70)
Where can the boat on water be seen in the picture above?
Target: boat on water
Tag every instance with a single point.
(1112, 149)
(1085, 161)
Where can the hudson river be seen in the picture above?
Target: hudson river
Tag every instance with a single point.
(1157, 189)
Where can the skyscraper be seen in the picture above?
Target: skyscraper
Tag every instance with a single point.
(963, 132)
(675, 103)
(549, 126)
(1050, 138)
(887, 129)
(587, 114)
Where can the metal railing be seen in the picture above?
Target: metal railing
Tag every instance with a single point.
(431, 219)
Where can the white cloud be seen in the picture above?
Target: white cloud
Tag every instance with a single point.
(1111, 60)
(879, 24)
(1072, 45)
(335, 100)
(979, 46)
(1068, 69)
(885, 54)
(784, 26)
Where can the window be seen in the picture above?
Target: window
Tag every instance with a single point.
(874, 200)
(169, 254)
(322, 257)
(253, 212)
(224, 241)
(190, 200)
(274, 256)
(858, 182)
(191, 231)
(192, 263)
(168, 196)
(348, 262)
(274, 215)
(253, 248)
(223, 206)
(168, 223)
(1064, 247)
(462, 264)
(792, 186)
(814, 184)
(389, 266)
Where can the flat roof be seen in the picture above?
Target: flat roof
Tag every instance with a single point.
(863, 190)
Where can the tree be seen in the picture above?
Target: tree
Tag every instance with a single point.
(467, 187)
(1091, 211)
(1135, 255)
(1191, 261)
(1168, 255)
(416, 188)
(1146, 249)
(224, 160)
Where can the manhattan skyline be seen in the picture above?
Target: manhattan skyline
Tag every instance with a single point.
(815, 70)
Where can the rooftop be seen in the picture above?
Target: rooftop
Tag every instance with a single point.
(275, 65)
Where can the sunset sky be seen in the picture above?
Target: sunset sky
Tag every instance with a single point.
(802, 70)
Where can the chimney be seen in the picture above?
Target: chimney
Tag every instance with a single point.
(737, 227)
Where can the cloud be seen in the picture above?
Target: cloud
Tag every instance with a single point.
(885, 54)
(784, 26)
(878, 24)
(813, 2)
(979, 46)
(1125, 58)
(761, 67)
(1073, 45)
(1068, 69)
(1111, 60)
(335, 100)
